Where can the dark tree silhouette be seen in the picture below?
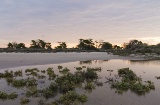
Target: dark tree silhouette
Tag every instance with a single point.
(106, 45)
(86, 44)
(40, 44)
(21, 45)
(62, 45)
(16, 45)
(48, 45)
(116, 47)
(9, 45)
(133, 44)
(34, 44)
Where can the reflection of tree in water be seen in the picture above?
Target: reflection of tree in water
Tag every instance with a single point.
(102, 61)
(85, 62)
(91, 61)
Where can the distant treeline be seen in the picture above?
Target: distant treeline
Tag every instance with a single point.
(133, 46)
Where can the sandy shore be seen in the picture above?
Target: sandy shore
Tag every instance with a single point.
(8, 60)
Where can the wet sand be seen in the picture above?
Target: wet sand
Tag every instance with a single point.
(8, 60)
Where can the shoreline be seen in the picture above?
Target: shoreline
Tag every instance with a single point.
(9, 60)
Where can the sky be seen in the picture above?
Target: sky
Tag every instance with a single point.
(114, 21)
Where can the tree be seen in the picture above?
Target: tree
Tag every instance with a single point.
(21, 45)
(62, 45)
(106, 45)
(16, 45)
(9, 45)
(86, 44)
(34, 44)
(116, 47)
(48, 46)
(40, 44)
(133, 44)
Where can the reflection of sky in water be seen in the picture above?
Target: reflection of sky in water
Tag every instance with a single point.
(104, 95)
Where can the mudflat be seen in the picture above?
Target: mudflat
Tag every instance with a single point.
(8, 60)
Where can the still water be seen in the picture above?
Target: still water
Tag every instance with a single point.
(104, 95)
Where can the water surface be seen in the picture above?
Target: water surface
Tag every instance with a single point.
(103, 95)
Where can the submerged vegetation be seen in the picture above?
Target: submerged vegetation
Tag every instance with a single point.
(72, 98)
(63, 84)
(130, 81)
(5, 96)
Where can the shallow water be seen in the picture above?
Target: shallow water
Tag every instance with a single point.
(103, 95)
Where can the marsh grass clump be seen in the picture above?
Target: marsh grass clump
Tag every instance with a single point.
(158, 77)
(130, 81)
(51, 74)
(91, 74)
(43, 71)
(1, 75)
(83, 66)
(66, 82)
(31, 82)
(60, 67)
(50, 91)
(24, 101)
(32, 72)
(18, 83)
(5, 96)
(80, 76)
(128, 75)
(7, 74)
(63, 84)
(12, 95)
(41, 77)
(79, 68)
(41, 102)
(64, 71)
(72, 98)
(140, 88)
(89, 86)
(18, 73)
(24, 82)
(99, 83)
(9, 80)
(32, 92)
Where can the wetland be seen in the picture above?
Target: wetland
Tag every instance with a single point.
(89, 82)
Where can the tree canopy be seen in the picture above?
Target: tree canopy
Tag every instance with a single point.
(86, 44)
(41, 44)
(16, 45)
(62, 45)
(133, 44)
(106, 45)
